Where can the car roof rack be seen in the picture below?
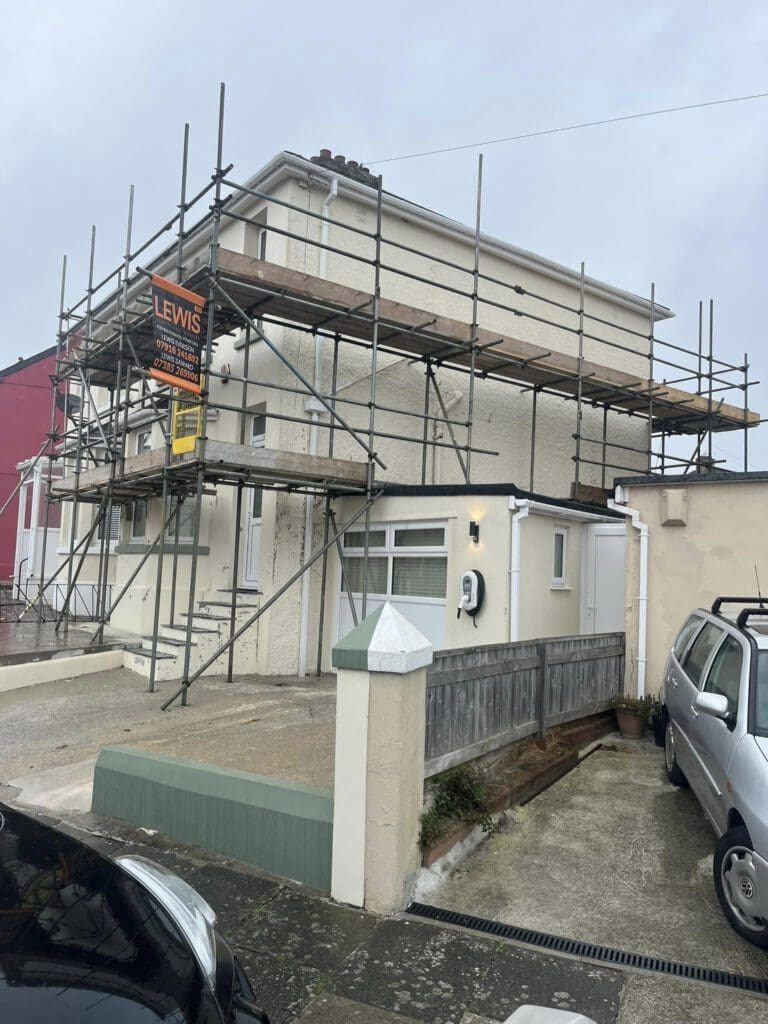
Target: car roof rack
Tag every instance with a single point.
(759, 601)
(746, 613)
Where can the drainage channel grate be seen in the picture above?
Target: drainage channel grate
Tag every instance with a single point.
(604, 954)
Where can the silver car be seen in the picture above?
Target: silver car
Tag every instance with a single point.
(715, 719)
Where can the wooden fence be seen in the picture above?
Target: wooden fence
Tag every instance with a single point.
(482, 698)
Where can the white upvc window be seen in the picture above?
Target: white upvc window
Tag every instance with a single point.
(139, 511)
(185, 518)
(560, 558)
(406, 561)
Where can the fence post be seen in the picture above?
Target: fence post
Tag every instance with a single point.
(379, 773)
(541, 689)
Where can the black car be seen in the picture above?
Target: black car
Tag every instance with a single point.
(87, 939)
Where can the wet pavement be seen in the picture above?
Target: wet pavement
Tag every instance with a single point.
(311, 960)
(31, 641)
(612, 854)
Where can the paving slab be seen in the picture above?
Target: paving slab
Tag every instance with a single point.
(612, 854)
(330, 1009)
(437, 974)
(306, 928)
(646, 1000)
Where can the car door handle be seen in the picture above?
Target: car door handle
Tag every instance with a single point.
(694, 712)
(673, 681)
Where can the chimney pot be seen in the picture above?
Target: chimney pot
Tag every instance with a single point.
(339, 160)
(325, 153)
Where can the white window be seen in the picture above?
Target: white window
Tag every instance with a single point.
(560, 558)
(405, 561)
(139, 511)
(114, 525)
(185, 519)
(139, 522)
(255, 240)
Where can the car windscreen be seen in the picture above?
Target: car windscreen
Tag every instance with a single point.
(761, 694)
(82, 940)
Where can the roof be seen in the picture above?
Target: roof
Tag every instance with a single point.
(285, 163)
(512, 253)
(503, 489)
(21, 364)
(715, 476)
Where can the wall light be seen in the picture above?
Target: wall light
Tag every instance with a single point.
(474, 531)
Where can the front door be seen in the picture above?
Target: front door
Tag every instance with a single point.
(602, 599)
(252, 498)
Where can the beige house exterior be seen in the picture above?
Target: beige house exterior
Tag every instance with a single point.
(289, 526)
(705, 538)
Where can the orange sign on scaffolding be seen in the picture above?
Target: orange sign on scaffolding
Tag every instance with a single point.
(178, 330)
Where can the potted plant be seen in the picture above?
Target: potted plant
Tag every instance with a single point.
(632, 714)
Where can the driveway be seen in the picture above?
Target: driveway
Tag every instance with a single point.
(612, 854)
(50, 734)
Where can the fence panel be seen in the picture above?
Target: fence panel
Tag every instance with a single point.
(481, 698)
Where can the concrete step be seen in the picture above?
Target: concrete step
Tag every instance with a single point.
(167, 666)
(181, 630)
(206, 616)
(171, 641)
(165, 645)
(240, 590)
(144, 652)
(226, 605)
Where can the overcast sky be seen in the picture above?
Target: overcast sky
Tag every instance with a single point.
(95, 96)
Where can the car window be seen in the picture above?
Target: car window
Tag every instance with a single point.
(685, 635)
(761, 697)
(724, 677)
(700, 650)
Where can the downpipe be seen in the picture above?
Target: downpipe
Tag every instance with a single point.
(642, 597)
(520, 510)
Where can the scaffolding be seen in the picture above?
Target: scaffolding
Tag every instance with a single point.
(104, 341)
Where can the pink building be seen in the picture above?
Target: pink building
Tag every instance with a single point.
(25, 419)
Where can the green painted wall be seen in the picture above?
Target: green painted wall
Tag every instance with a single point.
(283, 827)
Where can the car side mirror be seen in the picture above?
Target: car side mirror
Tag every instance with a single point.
(714, 704)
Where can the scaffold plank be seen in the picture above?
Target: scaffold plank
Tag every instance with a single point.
(302, 298)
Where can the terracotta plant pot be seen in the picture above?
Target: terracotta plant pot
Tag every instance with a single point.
(631, 726)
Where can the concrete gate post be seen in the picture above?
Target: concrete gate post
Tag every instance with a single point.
(379, 774)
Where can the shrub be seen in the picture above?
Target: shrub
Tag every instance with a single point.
(461, 795)
(642, 706)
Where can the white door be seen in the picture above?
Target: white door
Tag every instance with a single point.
(602, 592)
(252, 512)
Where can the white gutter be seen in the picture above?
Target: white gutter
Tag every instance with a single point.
(642, 597)
(313, 407)
(520, 509)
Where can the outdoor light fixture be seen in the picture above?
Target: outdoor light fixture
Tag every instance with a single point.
(474, 531)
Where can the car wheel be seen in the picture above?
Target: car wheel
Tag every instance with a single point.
(737, 887)
(674, 774)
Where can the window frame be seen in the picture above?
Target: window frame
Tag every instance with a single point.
(698, 683)
(143, 447)
(560, 582)
(170, 533)
(711, 664)
(698, 621)
(390, 551)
